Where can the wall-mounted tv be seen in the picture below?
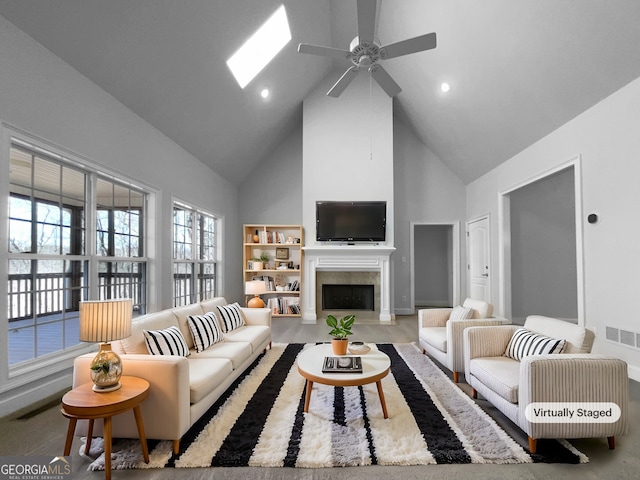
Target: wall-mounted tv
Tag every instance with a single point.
(351, 221)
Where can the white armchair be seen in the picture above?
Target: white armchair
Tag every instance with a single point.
(573, 377)
(441, 336)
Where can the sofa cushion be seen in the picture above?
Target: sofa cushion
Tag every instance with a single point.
(169, 341)
(236, 352)
(181, 314)
(435, 336)
(461, 313)
(205, 375)
(500, 374)
(230, 316)
(256, 335)
(525, 342)
(211, 304)
(481, 309)
(205, 330)
(135, 343)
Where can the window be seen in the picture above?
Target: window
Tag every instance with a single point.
(194, 255)
(51, 265)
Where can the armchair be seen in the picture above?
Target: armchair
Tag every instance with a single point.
(441, 336)
(573, 377)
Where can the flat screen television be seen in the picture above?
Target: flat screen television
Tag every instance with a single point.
(351, 221)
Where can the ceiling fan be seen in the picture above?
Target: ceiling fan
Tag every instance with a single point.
(365, 52)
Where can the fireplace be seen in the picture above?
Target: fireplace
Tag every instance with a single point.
(347, 297)
(346, 265)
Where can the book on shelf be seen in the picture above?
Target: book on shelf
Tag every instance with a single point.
(284, 305)
(269, 284)
(342, 365)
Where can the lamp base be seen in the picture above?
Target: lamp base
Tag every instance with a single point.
(255, 302)
(106, 369)
(111, 388)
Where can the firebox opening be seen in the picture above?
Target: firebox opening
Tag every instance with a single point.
(347, 297)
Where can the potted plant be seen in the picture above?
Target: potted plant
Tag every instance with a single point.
(259, 262)
(340, 330)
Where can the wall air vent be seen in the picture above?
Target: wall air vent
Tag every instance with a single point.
(623, 337)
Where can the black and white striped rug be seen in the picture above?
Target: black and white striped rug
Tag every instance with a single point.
(260, 422)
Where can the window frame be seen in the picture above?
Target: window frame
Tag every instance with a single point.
(51, 365)
(195, 293)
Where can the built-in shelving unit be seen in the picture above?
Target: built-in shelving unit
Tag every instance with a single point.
(282, 271)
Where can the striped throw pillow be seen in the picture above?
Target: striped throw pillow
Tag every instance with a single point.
(525, 342)
(166, 342)
(230, 317)
(204, 330)
(461, 313)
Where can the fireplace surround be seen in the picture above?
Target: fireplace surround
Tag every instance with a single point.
(346, 258)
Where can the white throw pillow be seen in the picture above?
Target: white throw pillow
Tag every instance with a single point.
(169, 341)
(461, 313)
(230, 317)
(204, 330)
(525, 342)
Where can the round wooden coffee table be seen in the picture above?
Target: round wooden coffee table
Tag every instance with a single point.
(82, 403)
(375, 366)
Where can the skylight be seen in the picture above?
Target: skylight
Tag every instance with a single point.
(260, 48)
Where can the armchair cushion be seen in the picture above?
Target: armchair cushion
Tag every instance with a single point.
(435, 336)
(525, 342)
(500, 374)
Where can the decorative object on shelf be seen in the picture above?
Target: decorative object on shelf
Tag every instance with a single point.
(256, 237)
(359, 348)
(340, 330)
(282, 253)
(258, 263)
(255, 288)
(103, 321)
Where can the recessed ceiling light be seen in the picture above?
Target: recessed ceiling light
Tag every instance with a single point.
(260, 48)
(264, 93)
(445, 87)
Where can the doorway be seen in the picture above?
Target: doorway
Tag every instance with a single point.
(479, 247)
(541, 247)
(435, 266)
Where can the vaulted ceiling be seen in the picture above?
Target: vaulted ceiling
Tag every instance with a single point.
(518, 68)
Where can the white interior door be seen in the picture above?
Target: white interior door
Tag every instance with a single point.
(479, 272)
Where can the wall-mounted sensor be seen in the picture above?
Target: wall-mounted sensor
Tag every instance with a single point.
(592, 218)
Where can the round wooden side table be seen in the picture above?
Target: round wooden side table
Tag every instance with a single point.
(82, 403)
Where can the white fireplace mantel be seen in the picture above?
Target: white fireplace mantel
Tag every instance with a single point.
(347, 258)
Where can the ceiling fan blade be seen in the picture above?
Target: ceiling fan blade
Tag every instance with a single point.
(346, 78)
(366, 20)
(412, 45)
(387, 83)
(324, 51)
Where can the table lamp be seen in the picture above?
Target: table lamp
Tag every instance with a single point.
(103, 321)
(255, 288)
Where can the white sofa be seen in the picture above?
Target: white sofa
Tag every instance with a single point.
(441, 337)
(572, 377)
(182, 389)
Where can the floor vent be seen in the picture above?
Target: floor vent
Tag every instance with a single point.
(624, 337)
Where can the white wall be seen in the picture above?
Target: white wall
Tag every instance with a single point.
(426, 191)
(272, 193)
(347, 149)
(45, 97)
(606, 139)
